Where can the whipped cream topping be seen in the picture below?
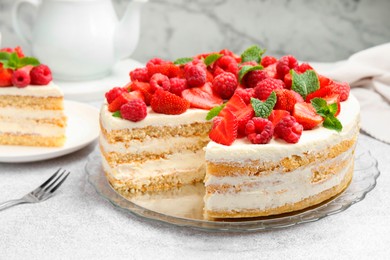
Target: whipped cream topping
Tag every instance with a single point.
(50, 90)
(30, 113)
(26, 126)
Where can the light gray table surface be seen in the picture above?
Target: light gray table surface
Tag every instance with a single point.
(79, 224)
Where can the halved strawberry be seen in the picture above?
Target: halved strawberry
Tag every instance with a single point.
(288, 80)
(123, 99)
(334, 98)
(144, 88)
(5, 77)
(306, 115)
(202, 97)
(277, 115)
(225, 131)
(319, 93)
(165, 102)
(286, 99)
(324, 81)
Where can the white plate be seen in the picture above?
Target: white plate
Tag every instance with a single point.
(94, 90)
(82, 129)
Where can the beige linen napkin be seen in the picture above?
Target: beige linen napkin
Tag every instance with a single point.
(368, 73)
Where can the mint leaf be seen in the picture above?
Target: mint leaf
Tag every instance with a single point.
(4, 57)
(264, 109)
(12, 62)
(320, 106)
(210, 59)
(247, 68)
(182, 61)
(117, 114)
(305, 83)
(333, 109)
(333, 123)
(28, 61)
(214, 111)
(253, 53)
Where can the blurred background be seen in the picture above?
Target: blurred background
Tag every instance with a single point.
(312, 30)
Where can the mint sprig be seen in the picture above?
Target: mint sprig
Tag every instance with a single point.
(305, 83)
(117, 114)
(253, 53)
(182, 61)
(214, 111)
(247, 68)
(264, 109)
(210, 59)
(328, 113)
(12, 61)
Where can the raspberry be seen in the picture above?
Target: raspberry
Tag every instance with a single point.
(247, 63)
(177, 86)
(227, 64)
(302, 68)
(21, 77)
(134, 110)
(195, 75)
(342, 89)
(40, 75)
(268, 60)
(166, 68)
(245, 94)
(155, 61)
(225, 84)
(259, 130)
(265, 87)
(139, 74)
(284, 65)
(114, 93)
(253, 77)
(227, 52)
(195, 61)
(159, 80)
(288, 129)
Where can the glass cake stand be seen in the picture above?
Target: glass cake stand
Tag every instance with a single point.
(183, 206)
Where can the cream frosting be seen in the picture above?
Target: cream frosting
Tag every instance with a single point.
(30, 113)
(25, 126)
(50, 90)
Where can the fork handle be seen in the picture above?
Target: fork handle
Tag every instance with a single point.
(11, 203)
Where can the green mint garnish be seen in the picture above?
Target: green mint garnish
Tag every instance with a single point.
(305, 83)
(328, 113)
(182, 61)
(12, 61)
(117, 114)
(264, 109)
(214, 111)
(210, 59)
(247, 68)
(253, 53)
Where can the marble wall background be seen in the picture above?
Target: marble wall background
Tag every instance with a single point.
(317, 30)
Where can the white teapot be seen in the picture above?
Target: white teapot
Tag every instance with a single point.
(80, 39)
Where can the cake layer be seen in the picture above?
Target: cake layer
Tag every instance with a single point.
(36, 103)
(31, 140)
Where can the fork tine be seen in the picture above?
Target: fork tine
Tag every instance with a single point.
(48, 180)
(55, 181)
(59, 184)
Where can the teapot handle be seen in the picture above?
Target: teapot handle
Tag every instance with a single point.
(16, 15)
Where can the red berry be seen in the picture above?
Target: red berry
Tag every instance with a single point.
(319, 93)
(225, 84)
(164, 102)
(288, 80)
(247, 63)
(259, 130)
(225, 130)
(177, 86)
(144, 88)
(139, 74)
(166, 68)
(202, 97)
(17, 50)
(195, 75)
(268, 60)
(285, 64)
(271, 71)
(286, 99)
(334, 99)
(306, 115)
(251, 79)
(227, 64)
(288, 129)
(5, 77)
(123, 99)
(340, 88)
(113, 93)
(324, 81)
(159, 81)
(21, 77)
(302, 68)
(40, 75)
(227, 52)
(155, 61)
(245, 93)
(134, 110)
(277, 115)
(265, 87)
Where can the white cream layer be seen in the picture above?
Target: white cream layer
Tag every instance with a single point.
(152, 119)
(30, 113)
(311, 141)
(274, 190)
(50, 90)
(25, 126)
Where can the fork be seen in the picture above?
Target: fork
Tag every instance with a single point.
(41, 193)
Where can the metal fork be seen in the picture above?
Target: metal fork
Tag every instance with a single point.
(41, 193)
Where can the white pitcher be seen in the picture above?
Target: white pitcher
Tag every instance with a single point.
(80, 39)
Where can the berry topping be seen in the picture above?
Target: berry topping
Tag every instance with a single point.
(139, 74)
(288, 129)
(177, 86)
(5, 77)
(302, 68)
(342, 89)
(195, 75)
(245, 93)
(124, 98)
(166, 68)
(306, 115)
(225, 84)
(40, 75)
(159, 81)
(333, 99)
(265, 87)
(144, 88)
(202, 97)
(164, 102)
(113, 93)
(134, 110)
(259, 130)
(224, 130)
(227, 64)
(277, 115)
(285, 64)
(21, 77)
(251, 79)
(286, 99)
(268, 60)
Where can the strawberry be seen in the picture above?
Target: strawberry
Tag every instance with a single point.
(324, 81)
(144, 88)
(277, 115)
(5, 77)
(166, 68)
(286, 99)
(165, 102)
(123, 99)
(202, 97)
(306, 115)
(225, 131)
(288, 80)
(319, 93)
(331, 99)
